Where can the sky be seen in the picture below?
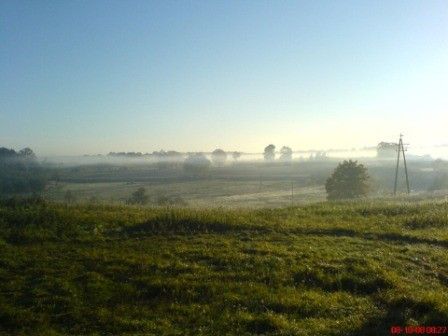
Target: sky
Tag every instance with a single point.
(87, 77)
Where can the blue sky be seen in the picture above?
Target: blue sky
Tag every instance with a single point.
(98, 76)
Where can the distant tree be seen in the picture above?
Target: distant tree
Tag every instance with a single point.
(386, 150)
(27, 153)
(69, 197)
(174, 155)
(219, 157)
(138, 197)
(349, 180)
(167, 160)
(236, 155)
(320, 156)
(197, 164)
(20, 172)
(285, 154)
(126, 155)
(269, 153)
(159, 154)
(6, 153)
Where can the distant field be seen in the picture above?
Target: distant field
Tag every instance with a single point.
(248, 184)
(322, 269)
(196, 193)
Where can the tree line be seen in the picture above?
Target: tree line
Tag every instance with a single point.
(20, 172)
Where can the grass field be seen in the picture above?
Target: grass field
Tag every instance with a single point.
(203, 193)
(249, 184)
(322, 269)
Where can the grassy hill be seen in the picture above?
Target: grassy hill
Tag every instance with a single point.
(323, 269)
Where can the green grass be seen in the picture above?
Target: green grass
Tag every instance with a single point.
(322, 269)
(201, 193)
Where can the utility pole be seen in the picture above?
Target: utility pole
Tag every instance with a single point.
(292, 193)
(396, 168)
(400, 149)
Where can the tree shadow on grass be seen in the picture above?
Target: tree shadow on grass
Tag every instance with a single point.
(392, 237)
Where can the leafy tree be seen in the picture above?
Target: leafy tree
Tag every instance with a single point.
(138, 197)
(197, 164)
(127, 155)
(20, 172)
(27, 153)
(349, 180)
(219, 157)
(167, 160)
(320, 156)
(285, 154)
(386, 150)
(269, 153)
(236, 155)
(6, 153)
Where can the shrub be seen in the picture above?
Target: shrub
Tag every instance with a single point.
(138, 197)
(349, 180)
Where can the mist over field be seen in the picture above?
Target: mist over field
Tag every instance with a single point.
(424, 152)
(224, 167)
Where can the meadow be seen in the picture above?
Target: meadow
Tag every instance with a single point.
(251, 184)
(354, 268)
(223, 168)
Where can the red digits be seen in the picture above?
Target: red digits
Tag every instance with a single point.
(419, 330)
(395, 330)
(409, 329)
